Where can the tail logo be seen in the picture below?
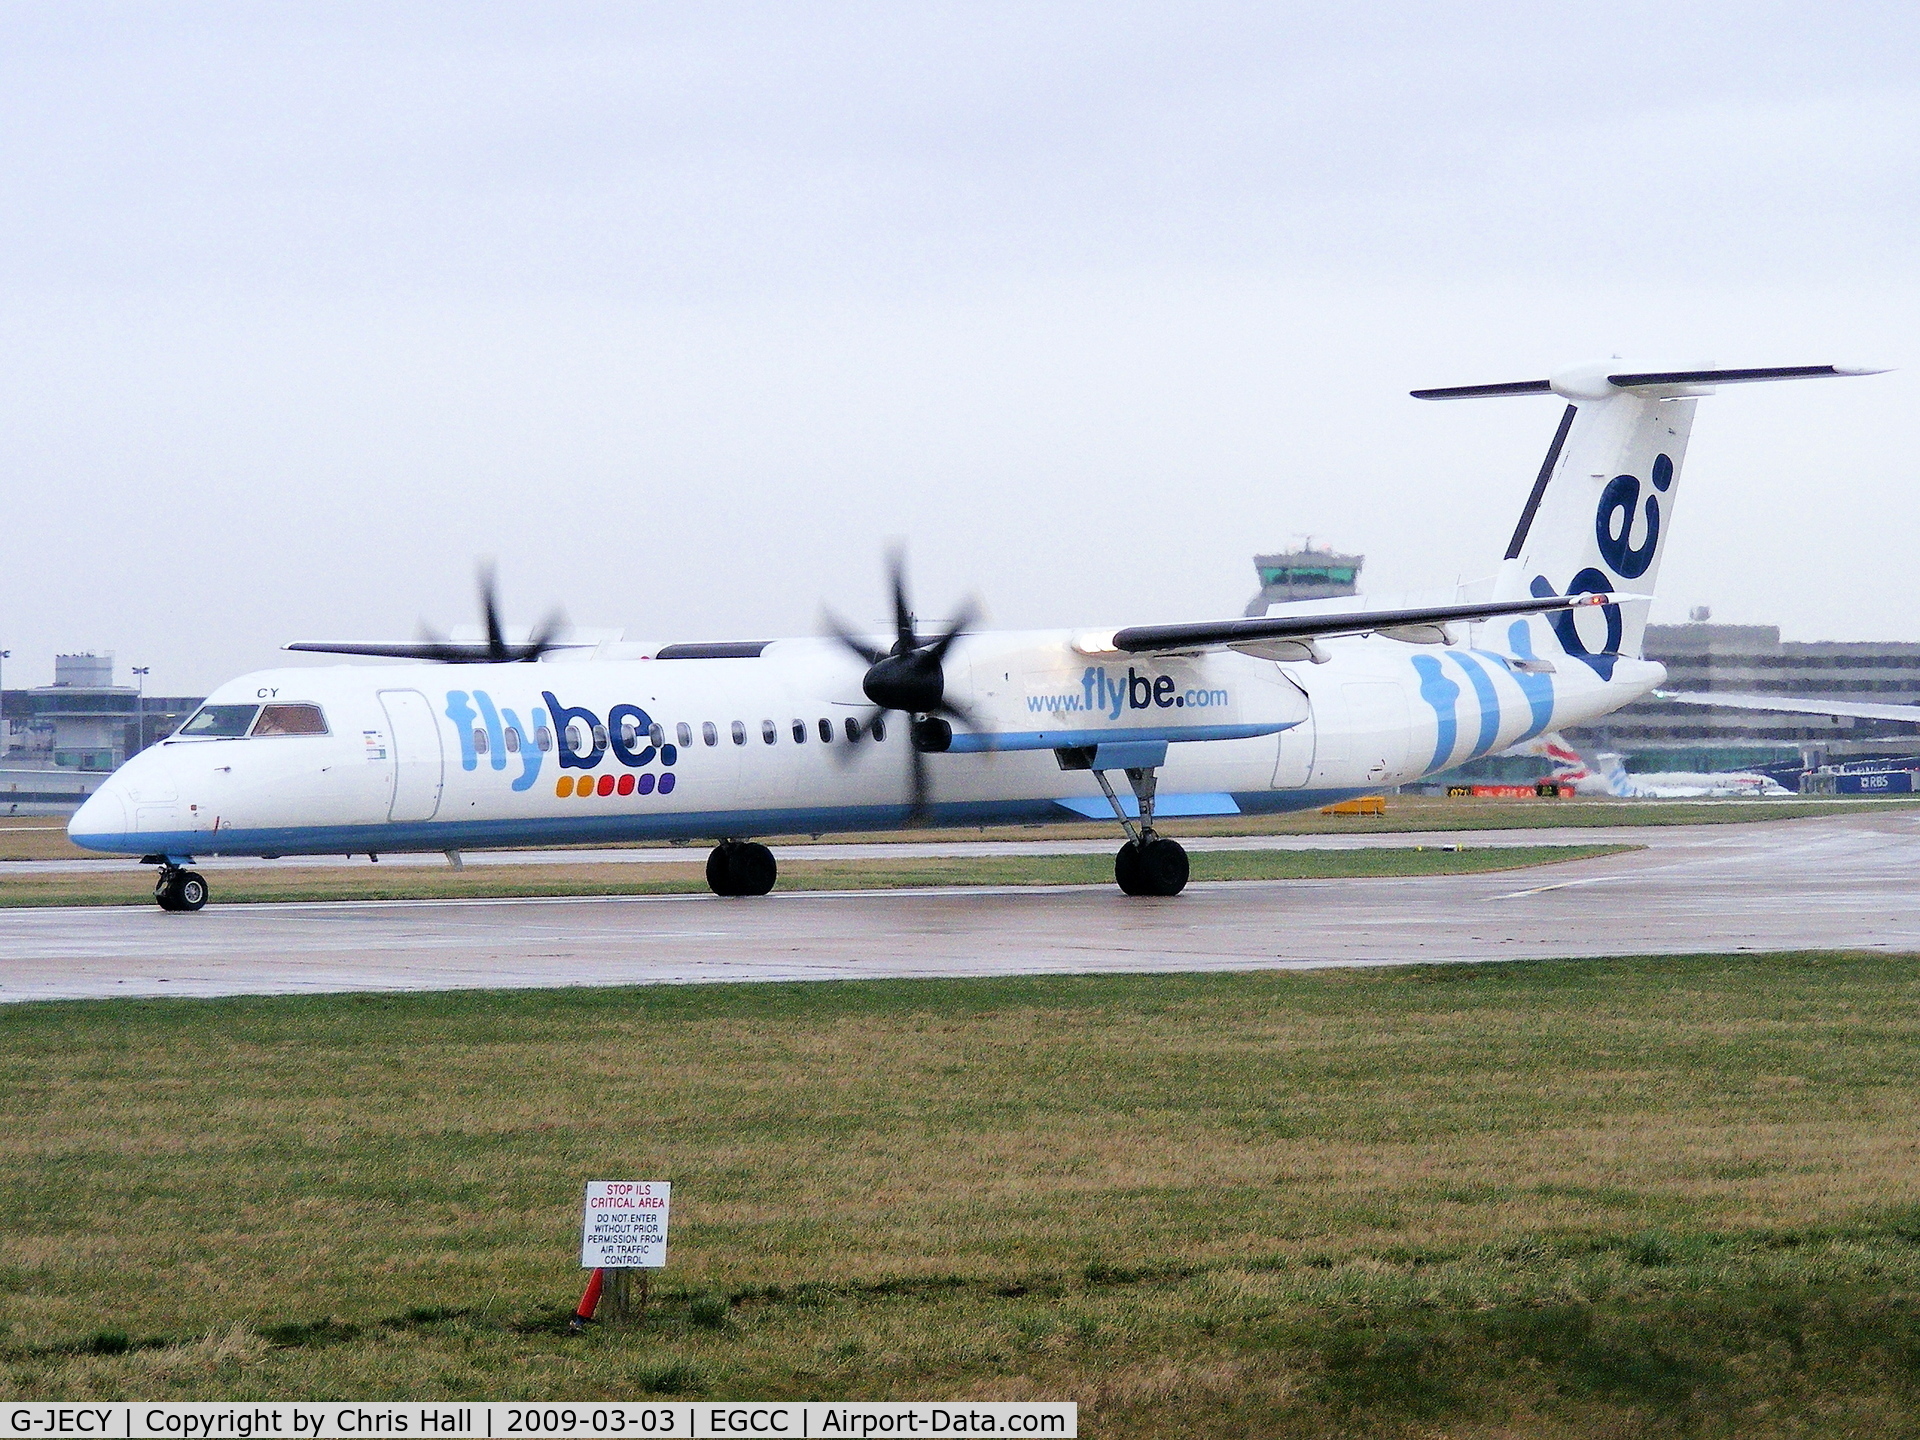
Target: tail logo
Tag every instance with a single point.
(1613, 533)
(1613, 525)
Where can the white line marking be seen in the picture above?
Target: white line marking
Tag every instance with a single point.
(1563, 885)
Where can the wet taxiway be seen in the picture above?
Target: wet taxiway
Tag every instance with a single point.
(1830, 882)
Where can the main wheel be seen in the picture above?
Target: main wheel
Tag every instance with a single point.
(1158, 867)
(741, 868)
(720, 868)
(754, 869)
(1163, 867)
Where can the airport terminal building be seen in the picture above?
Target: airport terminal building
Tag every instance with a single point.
(61, 739)
(1754, 660)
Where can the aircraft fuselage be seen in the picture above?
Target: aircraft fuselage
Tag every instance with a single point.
(452, 757)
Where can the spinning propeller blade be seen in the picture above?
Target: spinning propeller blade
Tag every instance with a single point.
(496, 649)
(911, 679)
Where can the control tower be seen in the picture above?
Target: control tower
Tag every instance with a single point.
(1304, 574)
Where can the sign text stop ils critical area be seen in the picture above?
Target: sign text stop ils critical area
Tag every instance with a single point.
(466, 1420)
(625, 1224)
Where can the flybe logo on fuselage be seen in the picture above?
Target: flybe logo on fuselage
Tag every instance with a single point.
(577, 738)
(1101, 693)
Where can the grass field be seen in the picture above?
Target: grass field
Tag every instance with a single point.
(1598, 1198)
(134, 885)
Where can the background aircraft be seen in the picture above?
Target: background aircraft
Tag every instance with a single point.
(1606, 774)
(468, 745)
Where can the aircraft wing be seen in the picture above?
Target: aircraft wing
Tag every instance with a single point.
(447, 652)
(1421, 624)
(1846, 708)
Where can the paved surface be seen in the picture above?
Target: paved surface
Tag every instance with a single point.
(1820, 883)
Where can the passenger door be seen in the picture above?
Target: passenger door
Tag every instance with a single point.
(417, 756)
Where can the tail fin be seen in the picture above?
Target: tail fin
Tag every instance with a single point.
(1570, 767)
(1613, 771)
(1601, 509)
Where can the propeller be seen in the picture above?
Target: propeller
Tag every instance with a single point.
(496, 649)
(910, 678)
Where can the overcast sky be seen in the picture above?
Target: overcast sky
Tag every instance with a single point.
(681, 312)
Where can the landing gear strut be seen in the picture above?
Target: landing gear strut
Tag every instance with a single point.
(1149, 863)
(178, 889)
(739, 867)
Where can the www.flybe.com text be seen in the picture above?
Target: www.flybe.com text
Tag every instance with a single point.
(1100, 692)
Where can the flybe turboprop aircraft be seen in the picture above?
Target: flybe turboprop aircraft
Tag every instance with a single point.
(470, 746)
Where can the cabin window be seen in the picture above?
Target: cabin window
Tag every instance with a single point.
(542, 738)
(657, 733)
(739, 732)
(219, 722)
(826, 732)
(879, 730)
(600, 737)
(768, 731)
(479, 742)
(513, 741)
(799, 732)
(684, 733)
(629, 732)
(290, 720)
(853, 729)
(576, 739)
(708, 733)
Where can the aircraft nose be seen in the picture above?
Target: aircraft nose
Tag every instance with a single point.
(104, 820)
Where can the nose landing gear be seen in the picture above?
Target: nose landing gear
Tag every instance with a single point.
(741, 868)
(178, 889)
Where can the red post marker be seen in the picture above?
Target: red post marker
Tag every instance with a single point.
(589, 1302)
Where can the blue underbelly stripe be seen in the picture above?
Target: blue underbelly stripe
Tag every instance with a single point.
(429, 836)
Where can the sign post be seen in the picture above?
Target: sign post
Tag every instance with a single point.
(623, 1229)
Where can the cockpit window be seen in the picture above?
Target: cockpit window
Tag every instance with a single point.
(219, 722)
(290, 720)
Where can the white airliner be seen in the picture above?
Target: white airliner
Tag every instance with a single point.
(1606, 774)
(724, 742)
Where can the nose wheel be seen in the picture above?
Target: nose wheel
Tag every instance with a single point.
(739, 867)
(178, 889)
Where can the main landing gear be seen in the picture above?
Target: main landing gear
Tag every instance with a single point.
(741, 867)
(178, 889)
(1149, 863)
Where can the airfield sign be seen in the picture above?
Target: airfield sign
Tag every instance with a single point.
(625, 1225)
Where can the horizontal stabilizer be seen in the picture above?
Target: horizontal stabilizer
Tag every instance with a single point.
(1631, 380)
(1845, 709)
(1596, 380)
(1213, 634)
(1486, 392)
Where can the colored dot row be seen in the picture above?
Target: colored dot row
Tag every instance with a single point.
(625, 785)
